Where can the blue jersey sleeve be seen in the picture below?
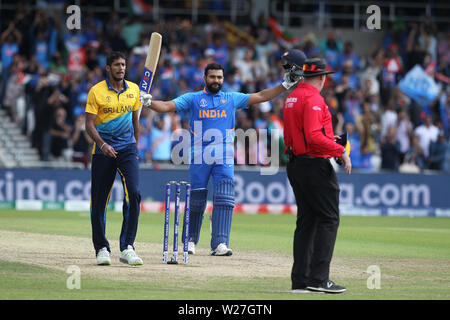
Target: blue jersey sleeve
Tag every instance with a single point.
(183, 102)
(240, 100)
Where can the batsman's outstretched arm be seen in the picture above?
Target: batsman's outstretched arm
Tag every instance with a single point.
(163, 106)
(289, 80)
(266, 94)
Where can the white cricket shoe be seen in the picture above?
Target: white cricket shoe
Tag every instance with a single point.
(222, 250)
(191, 247)
(103, 257)
(130, 257)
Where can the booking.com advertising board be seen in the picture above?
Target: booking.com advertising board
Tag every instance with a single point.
(361, 194)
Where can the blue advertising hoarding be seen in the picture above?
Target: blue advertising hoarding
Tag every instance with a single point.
(361, 193)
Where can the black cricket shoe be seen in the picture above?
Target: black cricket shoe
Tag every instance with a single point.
(327, 287)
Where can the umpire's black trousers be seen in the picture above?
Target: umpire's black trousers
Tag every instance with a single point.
(316, 191)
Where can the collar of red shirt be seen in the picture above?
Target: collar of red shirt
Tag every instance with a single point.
(309, 87)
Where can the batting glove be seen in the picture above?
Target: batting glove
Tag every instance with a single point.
(145, 98)
(290, 79)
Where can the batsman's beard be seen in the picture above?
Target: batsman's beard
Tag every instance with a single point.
(214, 87)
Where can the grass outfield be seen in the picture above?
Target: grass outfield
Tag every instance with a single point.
(413, 255)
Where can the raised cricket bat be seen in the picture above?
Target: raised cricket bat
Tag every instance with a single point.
(151, 62)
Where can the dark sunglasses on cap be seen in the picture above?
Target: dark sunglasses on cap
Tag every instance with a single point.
(312, 68)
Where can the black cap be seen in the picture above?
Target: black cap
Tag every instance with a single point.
(315, 67)
(295, 57)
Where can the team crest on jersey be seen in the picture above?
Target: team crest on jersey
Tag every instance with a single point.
(223, 101)
(130, 96)
(108, 99)
(203, 103)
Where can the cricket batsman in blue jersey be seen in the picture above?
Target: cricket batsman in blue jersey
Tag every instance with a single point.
(212, 112)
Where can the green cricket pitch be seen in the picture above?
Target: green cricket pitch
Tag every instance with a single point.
(39, 248)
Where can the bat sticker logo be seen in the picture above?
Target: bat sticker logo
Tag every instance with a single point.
(145, 81)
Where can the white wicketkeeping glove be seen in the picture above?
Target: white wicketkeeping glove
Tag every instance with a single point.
(145, 98)
(290, 79)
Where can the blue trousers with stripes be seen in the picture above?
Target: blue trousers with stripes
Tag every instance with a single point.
(103, 174)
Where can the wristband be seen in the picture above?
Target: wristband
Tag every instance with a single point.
(102, 146)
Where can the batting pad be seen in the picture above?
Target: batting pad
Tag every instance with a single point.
(197, 210)
(222, 214)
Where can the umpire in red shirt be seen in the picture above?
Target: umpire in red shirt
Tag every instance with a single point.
(310, 143)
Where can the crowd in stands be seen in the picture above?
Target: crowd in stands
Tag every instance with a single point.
(47, 71)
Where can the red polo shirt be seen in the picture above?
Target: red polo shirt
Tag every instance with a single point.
(308, 128)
